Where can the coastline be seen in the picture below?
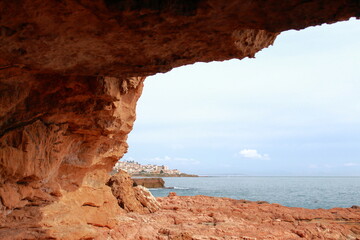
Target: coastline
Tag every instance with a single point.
(203, 217)
(305, 192)
(161, 175)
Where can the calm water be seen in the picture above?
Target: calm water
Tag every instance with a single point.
(308, 192)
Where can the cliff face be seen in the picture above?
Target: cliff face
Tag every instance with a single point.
(61, 135)
(71, 73)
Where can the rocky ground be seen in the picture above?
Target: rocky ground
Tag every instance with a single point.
(202, 217)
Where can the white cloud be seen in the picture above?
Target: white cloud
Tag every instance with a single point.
(252, 153)
(181, 160)
(351, 164)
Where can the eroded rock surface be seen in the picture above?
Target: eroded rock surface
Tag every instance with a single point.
(132, 198)
(141, 37)
(71, 72)
(61, 135)
(210, 218)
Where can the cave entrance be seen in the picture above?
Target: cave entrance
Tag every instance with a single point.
(292, 111)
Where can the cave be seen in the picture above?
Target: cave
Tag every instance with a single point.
(71, 72)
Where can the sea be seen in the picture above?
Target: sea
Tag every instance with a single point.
(306, 192)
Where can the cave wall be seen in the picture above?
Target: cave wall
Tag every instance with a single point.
(61, 135)
(71, 72)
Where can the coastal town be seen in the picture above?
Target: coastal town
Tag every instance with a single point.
(135, 168)
(149, 170)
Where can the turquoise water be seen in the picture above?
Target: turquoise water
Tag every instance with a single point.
(308, 192)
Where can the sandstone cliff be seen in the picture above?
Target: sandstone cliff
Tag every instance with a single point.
(71, 72)
(62, 138)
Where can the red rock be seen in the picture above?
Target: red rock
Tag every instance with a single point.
(52, 165)
(172, 194)
(132, 199)
(202, 217)
(71, 73)
(147, 200)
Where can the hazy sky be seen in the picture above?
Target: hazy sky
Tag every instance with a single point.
(293, 110)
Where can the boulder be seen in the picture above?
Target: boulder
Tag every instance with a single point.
(132, 199)
(144, 196)
(149, 182)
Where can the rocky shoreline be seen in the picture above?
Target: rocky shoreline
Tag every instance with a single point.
(214, 218)
(202, 217)
(140, 216)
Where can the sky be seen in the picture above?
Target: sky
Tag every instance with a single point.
(294, 110)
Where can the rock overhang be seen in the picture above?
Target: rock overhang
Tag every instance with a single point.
(70, 76)
(141, 38)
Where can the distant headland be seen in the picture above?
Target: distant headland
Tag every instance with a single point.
(136, 169)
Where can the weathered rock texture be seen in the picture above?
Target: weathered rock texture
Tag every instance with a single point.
(61, 135)
(210, 218)
(132, 198)
(143, 37)
(71, 72)
(150, 182)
